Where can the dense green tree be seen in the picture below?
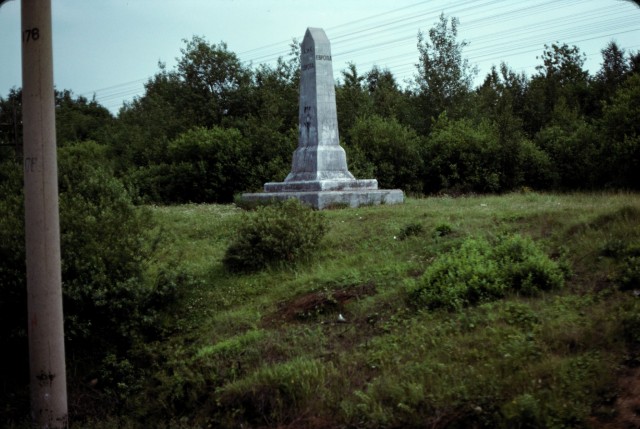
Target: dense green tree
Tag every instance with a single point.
(271, 127)
(146, 124)
(217, 84)
(573, 146)
(270, 152)
(615, 68)
(388, 151)
(78, 119)
(10, 124)
(444, 77)
(276, 95)
(466, 156)
(352, 100)
(634, 62)
(561, 75)
(389, 101)
(620, 129)
(201, 165)
(461, 157)
(499, 99)
(103, 247)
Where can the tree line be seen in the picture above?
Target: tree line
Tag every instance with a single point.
(213, 127)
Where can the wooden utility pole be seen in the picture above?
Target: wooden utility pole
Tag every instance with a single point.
(42, 227)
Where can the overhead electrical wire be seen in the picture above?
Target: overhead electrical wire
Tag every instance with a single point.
(393, 34)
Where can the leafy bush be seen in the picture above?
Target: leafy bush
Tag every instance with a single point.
(103, 249)
(574, 148)
(389, 150)
(464, 156)
(621, 129)
(285, 232)
(462, 277)
(12, 254)
(629, 276)
(410, 230)
(277, 393)
(525, 267)
(443, 229)
(104, 246)
(478, 272)
(201, 165)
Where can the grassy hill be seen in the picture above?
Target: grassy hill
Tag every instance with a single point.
(268, 349)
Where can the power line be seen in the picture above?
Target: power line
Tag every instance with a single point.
(393, 35)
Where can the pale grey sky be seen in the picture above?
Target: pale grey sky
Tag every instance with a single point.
(111, 47)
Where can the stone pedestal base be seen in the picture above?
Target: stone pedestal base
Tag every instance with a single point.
(323, 199)
(321, 185)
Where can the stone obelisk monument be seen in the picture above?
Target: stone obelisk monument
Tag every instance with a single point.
(319, 175)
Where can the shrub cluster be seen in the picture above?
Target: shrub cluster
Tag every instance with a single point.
(277, 394)
(285, 232)
(479, 271)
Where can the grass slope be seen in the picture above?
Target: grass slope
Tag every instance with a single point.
(267, 349)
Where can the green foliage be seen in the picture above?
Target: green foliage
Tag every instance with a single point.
(104, 291)
(560, 77)
(108, 303)
(443, 229)
(202, 165)
(352, 100)
(10, 129)
(12, 253)
(444, 77)
(389, 150)
(525, 268)
(463, 277)
(410, 230)
(103, 247)
(79, 119)
(621, 130)
(269, 157)
(479, 272)
(283, 233)
(574, 148)
(277, 394)
(623, 248)
(216, 82)
(629, 276)
(462, 156)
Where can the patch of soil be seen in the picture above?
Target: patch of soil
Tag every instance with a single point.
(311, 305)
(627, 404)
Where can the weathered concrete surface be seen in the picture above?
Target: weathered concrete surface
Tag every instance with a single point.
(319, 155)
(321, 185)
(319, 175)
(326, 199)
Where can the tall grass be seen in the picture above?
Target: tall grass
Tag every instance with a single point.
(266, 349)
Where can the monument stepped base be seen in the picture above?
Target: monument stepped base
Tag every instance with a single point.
(325, 199)
(321, 185)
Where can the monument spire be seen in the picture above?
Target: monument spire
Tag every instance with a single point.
(319, 175)
(319, 155)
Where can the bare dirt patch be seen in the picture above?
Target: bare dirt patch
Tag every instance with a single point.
(312, 305)
(627, 403)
